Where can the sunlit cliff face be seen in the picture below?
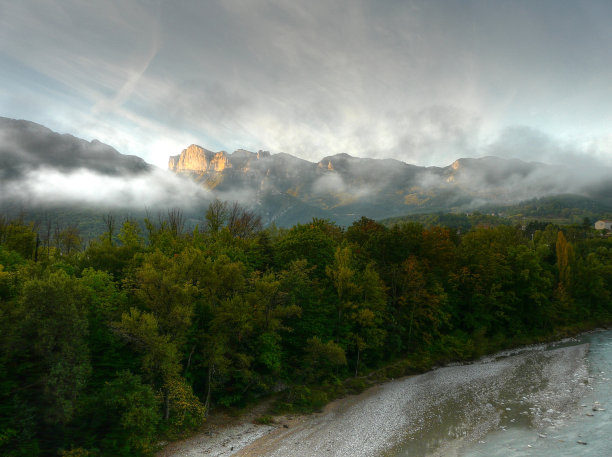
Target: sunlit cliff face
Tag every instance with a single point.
(196, 159)
(199, 160)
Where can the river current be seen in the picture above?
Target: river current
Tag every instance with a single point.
(536, 409)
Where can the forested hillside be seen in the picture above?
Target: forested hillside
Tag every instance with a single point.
(557, 209)
(109, 348)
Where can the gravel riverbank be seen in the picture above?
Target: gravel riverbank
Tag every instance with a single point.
(434, 413)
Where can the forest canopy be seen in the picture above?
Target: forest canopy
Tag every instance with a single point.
(108, 348)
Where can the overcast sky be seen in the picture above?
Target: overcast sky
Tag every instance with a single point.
(425, 82)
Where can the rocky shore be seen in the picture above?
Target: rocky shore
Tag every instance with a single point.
(436, 413)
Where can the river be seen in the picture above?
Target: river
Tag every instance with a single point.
(539, 409)
(544, 400)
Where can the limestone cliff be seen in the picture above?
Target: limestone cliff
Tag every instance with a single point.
(196, 159)
(219, 162)
(193, 159)
(349, 186)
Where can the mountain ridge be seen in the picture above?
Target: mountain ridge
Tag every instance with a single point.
(26, 145)
(346, 185)
(37, 166)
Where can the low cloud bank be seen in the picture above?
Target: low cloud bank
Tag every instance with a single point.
(152, 189)
(41, 168)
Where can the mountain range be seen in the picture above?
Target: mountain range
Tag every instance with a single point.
(342, 187)
(282, 188)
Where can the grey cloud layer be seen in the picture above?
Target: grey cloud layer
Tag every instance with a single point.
(154, 189)
(41, 167)
(422, 81)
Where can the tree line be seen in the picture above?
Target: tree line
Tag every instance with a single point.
(108, 349)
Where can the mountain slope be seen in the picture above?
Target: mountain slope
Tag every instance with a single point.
(26, 146)
(344, 187)
(43, 169)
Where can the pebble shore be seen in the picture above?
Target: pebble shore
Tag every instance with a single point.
(436, 413)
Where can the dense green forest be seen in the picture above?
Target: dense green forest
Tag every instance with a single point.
(108, 348)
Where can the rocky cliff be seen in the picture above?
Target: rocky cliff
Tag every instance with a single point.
(346, 186)
(197, 160)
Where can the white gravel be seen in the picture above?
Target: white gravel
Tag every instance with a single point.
(221, 442)
(435, 413)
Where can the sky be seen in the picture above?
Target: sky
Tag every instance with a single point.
(425, 82)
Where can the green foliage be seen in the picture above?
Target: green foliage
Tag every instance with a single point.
(187, 412)
(10, 259)
(565, 209)
(6, 283)
(310, 242)
(264, 420)
(78, 452)
(322, 359)
(130, 235)
(160, 359)
(301, 398)
(19, 237)
(270, 351)
(132, 414)
(134, 339)
(53, 328)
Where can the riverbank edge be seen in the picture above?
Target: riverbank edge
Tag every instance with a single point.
(245, 426)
